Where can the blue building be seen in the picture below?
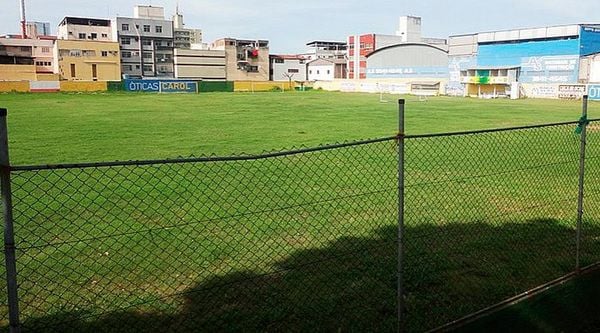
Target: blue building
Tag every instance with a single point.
(540, 62)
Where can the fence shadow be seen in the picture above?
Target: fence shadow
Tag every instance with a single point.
(350, 285)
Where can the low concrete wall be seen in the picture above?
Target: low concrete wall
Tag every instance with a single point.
(14, 86)
(17, 72)
(391, 86)
(83, 86)
(241, 86)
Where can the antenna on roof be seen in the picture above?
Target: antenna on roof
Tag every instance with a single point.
(23, 20)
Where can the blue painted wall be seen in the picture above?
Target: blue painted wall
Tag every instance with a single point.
(554, 61)
(590, 40)
(456, 64)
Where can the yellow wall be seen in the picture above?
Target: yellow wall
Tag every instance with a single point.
(261, 86)
(47, 77)
(74, 86)
(18, 86)
(17, 72)
(108, 68)
(486, 89)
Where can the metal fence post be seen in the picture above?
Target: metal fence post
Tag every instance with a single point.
(583, 125)
(9, 237)
(400, 297)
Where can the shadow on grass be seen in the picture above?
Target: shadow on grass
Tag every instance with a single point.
(350, 285)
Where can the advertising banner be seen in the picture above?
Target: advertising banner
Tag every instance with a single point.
(594, 92)
(571, 91)
(166, 86)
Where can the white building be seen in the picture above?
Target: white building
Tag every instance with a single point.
(83, 28)
(288, 67)
(326, 69)
(326, 50)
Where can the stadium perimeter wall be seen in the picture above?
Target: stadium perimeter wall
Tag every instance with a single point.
(253, 86)
(392, 86)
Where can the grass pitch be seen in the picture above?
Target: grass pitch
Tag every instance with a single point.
(51, 128)
(299, 243)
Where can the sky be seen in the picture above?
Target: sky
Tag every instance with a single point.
(289, 25)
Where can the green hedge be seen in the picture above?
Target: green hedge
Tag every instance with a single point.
(216, 86)
(115, 86)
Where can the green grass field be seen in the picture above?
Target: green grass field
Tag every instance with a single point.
(304, 242)
(75, 128)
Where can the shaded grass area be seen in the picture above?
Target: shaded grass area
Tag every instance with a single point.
(571, 307)
(348, 285)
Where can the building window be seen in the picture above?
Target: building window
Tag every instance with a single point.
(126, 41)
(147, 68)
(45, 50)
(310, 72)
(159, 29)
(146, 42)
(25, 49)
(126, 54)
(105, 53)
(137, 66)
(328, 71)
(147, 55)
(318, 72)
(73, 70)
(104, 35)
(89, 53)
(146, 28)
(278, 61)
(293, 70)
(82, 36)
(94, 35)
(127, 68)
(74, 53)
(252, 69)
(125, 27)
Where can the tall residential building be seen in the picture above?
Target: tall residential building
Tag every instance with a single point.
(37, 29)
(146, 43)
(83, 28)
(247, 59)
(183, 37)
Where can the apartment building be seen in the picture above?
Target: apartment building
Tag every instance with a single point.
(83, 28)
(247, 59)
(183, 37)
(36, 54)
(146, 43)
(83, 60)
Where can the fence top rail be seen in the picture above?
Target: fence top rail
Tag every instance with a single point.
(495, 130)
(204, 159)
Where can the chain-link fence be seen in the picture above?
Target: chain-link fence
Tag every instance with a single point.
(300, 240)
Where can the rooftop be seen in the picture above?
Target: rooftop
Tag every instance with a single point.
(85, 21)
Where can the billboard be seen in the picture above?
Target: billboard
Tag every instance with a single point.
(572, 91)
(594, 92)
(166, 86)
